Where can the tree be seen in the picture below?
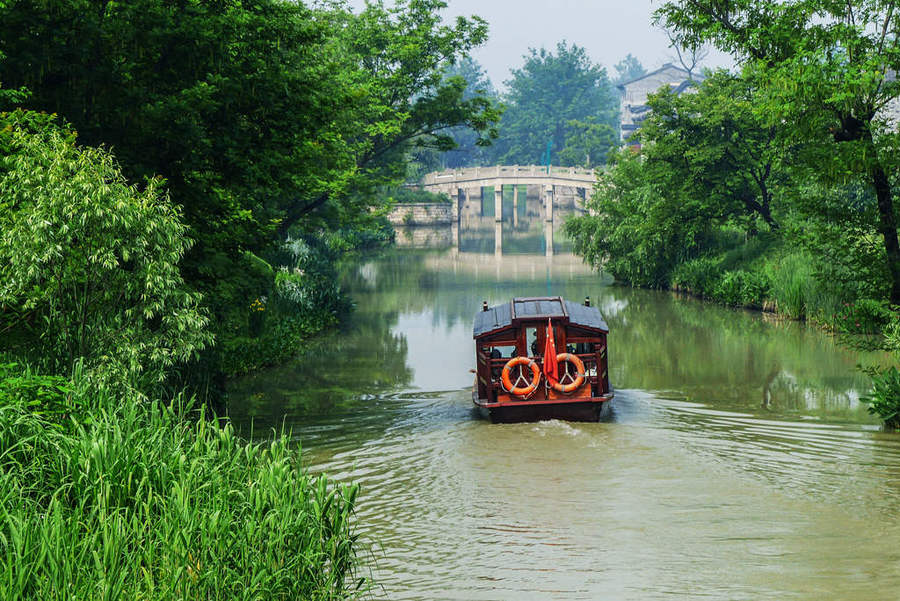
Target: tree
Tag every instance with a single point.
(707, 162)
(228, 101)
(468, 151)
(829, 66)
(89, 264)
(261, 116)
(395, 60)
(548, 93)
(717, 141)
(587, 143)
(628, 68)
(629, 229)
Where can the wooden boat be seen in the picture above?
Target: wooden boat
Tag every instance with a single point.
(513, 382)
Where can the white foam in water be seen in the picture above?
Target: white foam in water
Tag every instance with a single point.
(554, 425)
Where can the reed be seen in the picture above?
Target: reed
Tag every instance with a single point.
(797, 290)
(136, 501)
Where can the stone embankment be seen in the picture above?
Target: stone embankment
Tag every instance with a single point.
(421, 213)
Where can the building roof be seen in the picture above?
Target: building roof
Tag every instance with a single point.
(534, 308)
(665, 67)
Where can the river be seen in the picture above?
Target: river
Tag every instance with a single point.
(738, 463)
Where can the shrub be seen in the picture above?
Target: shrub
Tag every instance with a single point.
(89, 265)
(741, 289)
(865, 316)
(304, 299)
(377, 233)
(891, 333)
(884, 398)
(792, 284)
(310, 287)
(697, 276)
(45, 396)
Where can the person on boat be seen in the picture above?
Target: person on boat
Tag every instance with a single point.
(496, 354)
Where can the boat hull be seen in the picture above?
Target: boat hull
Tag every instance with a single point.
(575, 410)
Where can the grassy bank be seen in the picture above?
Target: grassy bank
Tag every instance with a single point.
(103, 497)
(762, 275)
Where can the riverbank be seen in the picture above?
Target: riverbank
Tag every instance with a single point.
(763, 277)
(764, 274)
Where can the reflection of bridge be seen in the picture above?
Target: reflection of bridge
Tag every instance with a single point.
(499, 266)
(459, 184)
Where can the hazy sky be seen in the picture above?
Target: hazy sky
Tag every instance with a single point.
(607, 29)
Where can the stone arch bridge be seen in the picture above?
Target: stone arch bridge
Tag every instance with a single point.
(559, 181)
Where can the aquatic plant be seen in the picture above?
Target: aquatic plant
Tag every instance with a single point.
(884, 398)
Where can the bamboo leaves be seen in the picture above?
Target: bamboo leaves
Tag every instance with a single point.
(96, 261)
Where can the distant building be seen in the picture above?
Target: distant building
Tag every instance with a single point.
(634, 107)
(890, 112)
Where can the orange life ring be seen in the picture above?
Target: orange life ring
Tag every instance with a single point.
(575, 384)
(520, 391)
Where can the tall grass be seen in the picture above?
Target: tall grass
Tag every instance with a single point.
(123, 500)
(798, 292)
(789, 283)
(792, 285)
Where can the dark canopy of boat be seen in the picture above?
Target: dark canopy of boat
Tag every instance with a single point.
(530, 309)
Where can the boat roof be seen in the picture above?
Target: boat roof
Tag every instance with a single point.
(517, 310)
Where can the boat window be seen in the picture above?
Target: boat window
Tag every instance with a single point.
(498, 352)
(531, 341)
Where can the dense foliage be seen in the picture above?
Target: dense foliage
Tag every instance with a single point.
(709, 169)
(826, 79)
(559, 99)
(89, 264)
(264, 119)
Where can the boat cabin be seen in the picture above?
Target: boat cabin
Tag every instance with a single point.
(513, 382)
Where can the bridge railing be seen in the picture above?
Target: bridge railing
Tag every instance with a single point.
(504, 171)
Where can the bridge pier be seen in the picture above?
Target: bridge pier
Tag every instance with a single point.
(548, 202)
(516, 205)
(498, 201)
(455, 197)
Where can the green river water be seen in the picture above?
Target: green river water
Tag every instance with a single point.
(738, 463)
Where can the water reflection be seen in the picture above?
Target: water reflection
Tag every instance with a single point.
(739, 464)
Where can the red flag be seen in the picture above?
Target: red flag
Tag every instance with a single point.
(550, 368)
